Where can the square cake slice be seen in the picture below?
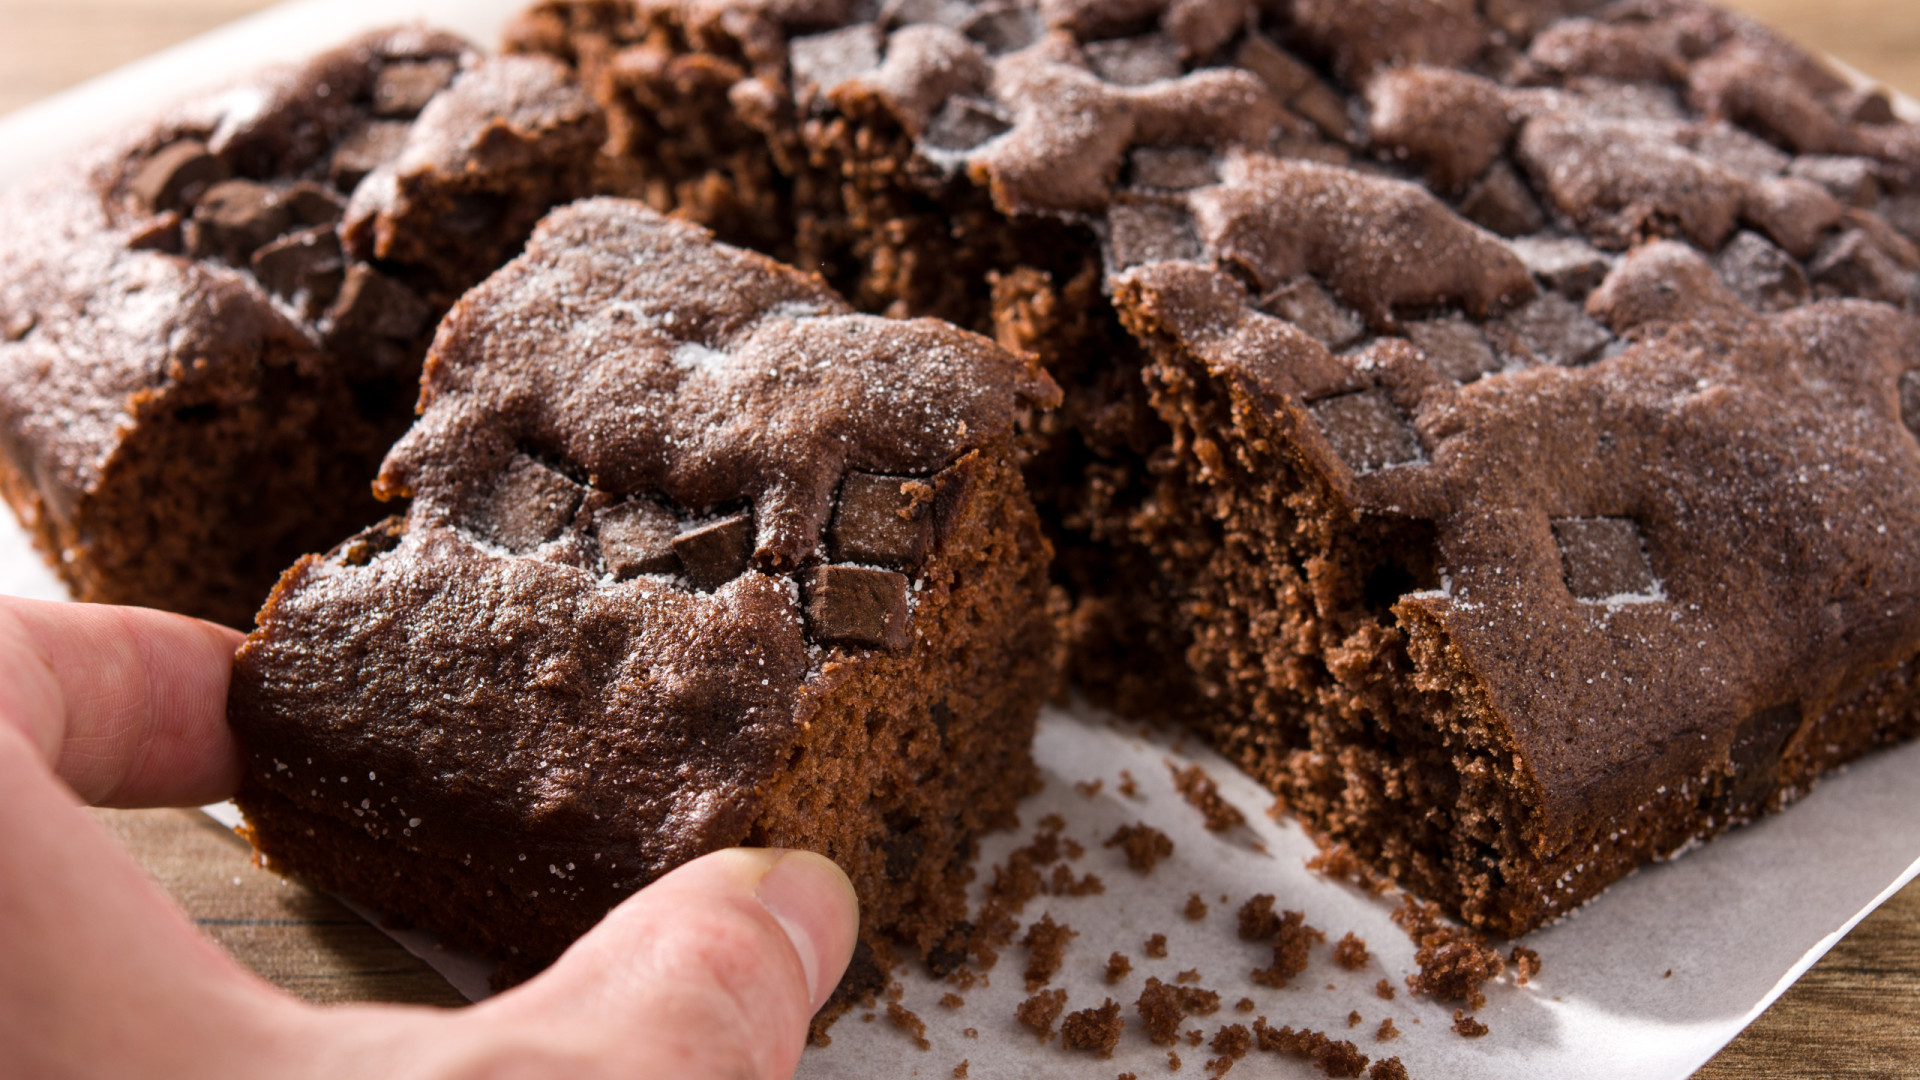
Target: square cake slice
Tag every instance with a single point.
(211, 327)
(697, 556)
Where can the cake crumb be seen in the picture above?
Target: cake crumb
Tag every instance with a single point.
(1074, 848)
(1126, 1076)
(1065, 884)
(1353, 1019)
(1157, 946)
(1335, 1057)
(1046, 944)
(969, 1033)
(867, 1018)
(1387, 1069)
(960, 1071)
(1454, 961)
(1386, 1031)
(1340, 863)
(1128, 786)
(1467, 1025)
(1195, 1036)
(1232, 1040)
(1196, 907)
(1143, 845)
(1119, 966)
(905, 1019)
(1173, 1061)
(1526, 964)
(1257, 919)
(1383, 990)
(1668, 975)
(1038, 1012)
(1291, 945)
(1351, 952)
(1191, 975)
(1219, 1067)
(1162, 1006)
(1243, 1005)
(952, 1001)
(1052, 823)
(1096, 1031)
(1089, 788)
(1203, 795)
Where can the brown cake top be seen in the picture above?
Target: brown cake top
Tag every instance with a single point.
(165, 267)
(1660, 505)
(637, 355)
(659, 485)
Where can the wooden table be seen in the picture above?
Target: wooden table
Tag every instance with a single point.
(1855, 1014)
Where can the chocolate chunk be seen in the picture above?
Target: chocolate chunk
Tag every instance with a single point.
(1566, 264)
(311, 204)
(1455, 347)
(1903, 213)
(235, 218)
(1296, 84)
(1170, 168)
(175, 174)
(964, 123)
(716, 552)
(1910, 400)
(1853, 180)
(1557, 331)
(1760, 274)
(1148, 231)
(1754, 755)
(1734, 149)
(1501, 202)
(1366, 430)
(949, 13)
(1005, 28)
(820, 62)
(161, 232)
(530, 505)
(1305, 304)
(1135, 61)
(882, 520)
(855, 605)
(365, 149)
(1603, 558)
(1792, 212)
(304, 266)
(636, 537)
(1868, 106)
(1851, 264)
(373, 306)
(401, 90)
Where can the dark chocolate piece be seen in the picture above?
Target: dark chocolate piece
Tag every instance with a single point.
(306, 265)
(716, 552)
(1604, 558)
(882, 520)
(365, 149)
(530, 504)
(402, 89)
(1455, 347)
(964, 123)
(636, 537)
(1567, 265)
(1146, 231)
(237, 217)
(373, 306)
(1170, 168)
(1135, 61)
(1760, 274)
(856, 605)
(1557, 331)
(1501, 203)
(1910, 400)
(1306, 305)
(1852, 264)
(175, 174)
(1366, 430)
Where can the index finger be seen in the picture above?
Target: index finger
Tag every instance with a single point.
(126, 705)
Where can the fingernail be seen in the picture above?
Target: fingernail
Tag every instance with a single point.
(813, 902)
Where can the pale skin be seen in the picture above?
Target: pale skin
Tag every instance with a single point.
(711, 972)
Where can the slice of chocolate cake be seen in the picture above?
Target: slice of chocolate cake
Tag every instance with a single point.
(1488, 422)
(697, 556)
(211, 330)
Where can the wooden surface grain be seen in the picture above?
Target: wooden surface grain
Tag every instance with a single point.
(1855, 1014)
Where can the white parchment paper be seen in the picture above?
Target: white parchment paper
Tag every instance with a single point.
(1734, 922)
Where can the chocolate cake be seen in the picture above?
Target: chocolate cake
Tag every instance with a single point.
(1490, 424)
(211, 329)
(696, 556)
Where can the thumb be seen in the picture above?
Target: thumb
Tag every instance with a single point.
(712, 971)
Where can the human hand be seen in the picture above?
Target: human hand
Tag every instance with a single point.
(712, 971)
